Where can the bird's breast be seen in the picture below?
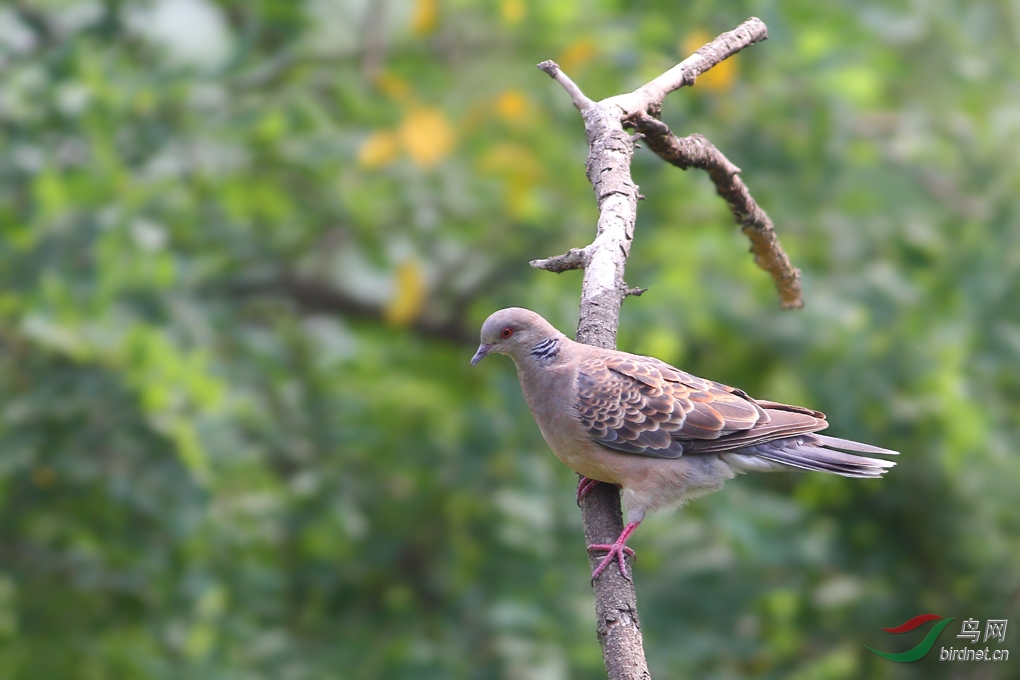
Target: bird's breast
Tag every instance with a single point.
(550, 396)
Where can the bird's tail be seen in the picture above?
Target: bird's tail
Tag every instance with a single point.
(821, 453)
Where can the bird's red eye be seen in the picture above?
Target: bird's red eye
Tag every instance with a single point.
(507, 332)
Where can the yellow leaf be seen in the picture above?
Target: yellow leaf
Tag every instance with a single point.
(512, 106)
(577, 55)
(394, 87)
(519, 170)
(509, 159)
(426, 15)
(519, 196)
(512, 11)
(427, 136)
(721, 76)
(410, 294)
(380, 148)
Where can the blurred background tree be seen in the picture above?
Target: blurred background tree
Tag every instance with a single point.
(247, 245)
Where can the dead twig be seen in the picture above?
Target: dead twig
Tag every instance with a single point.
(697, 152)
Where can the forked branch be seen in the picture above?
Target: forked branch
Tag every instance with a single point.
(640, 109)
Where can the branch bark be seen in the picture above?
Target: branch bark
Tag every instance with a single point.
(697, 152)
(603, 289)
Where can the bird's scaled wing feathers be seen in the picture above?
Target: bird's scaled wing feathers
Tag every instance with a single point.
(644, 406)
(781, 421)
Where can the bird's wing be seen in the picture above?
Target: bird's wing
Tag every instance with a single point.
(641, 405)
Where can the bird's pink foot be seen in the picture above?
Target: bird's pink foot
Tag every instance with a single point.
(615, 551)
(584, 487)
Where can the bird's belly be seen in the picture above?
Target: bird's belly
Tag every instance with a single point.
(648, 483)
(582, 455)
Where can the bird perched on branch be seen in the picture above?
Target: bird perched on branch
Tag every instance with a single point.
(662, 435)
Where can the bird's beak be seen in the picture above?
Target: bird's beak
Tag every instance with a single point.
(483, 349)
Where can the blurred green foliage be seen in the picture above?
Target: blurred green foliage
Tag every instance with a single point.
(246, 246)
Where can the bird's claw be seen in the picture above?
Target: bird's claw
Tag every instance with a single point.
(613, 551)
(584, 487)
(617, 550)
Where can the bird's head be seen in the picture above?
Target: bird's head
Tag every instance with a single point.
(513, 331)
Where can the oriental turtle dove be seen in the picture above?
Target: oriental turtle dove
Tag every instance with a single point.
(662, 435)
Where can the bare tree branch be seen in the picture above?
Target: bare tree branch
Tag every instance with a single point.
(610, 150)
(686, 72)
(575, 258)
(697, 152)
(580, 100)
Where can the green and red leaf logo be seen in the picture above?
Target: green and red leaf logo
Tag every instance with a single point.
(924, 646)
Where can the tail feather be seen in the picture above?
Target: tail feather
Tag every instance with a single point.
(848, 445)
(810, 453)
